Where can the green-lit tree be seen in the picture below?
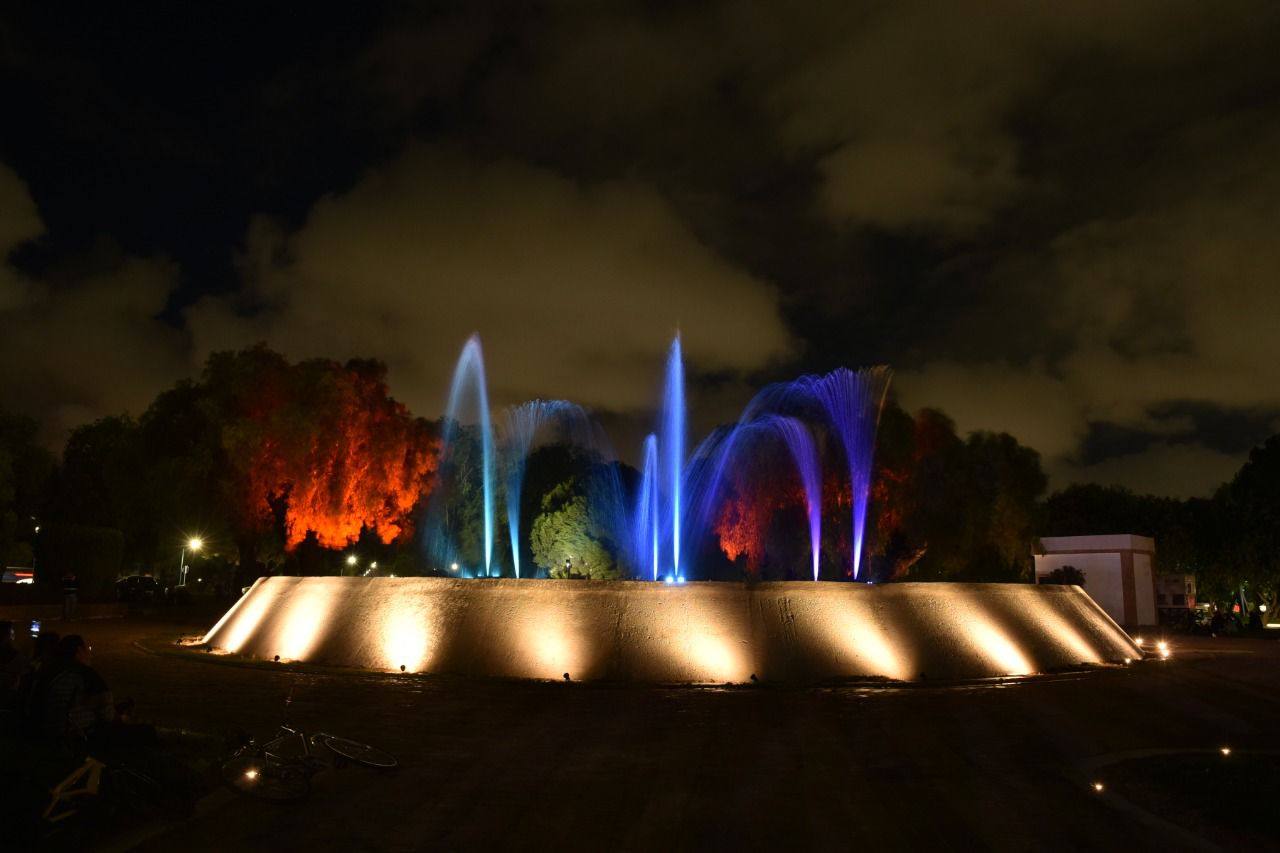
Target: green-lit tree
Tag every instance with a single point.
(567, 540)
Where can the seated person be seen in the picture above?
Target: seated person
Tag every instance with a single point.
(71, 698)
(13, 664)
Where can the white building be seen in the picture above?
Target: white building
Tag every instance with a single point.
(1119, 572)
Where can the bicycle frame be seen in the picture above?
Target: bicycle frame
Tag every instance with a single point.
(84, 781)
(286, 734)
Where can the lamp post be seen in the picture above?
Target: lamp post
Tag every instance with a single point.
(352, 561)
(195, 543)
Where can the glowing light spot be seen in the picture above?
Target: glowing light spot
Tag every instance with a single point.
(251, 774)
(1139, 640)
(859, 633)
(307, 616)
(714, 659)
(1097, 786)
(548, 646)
(248, 615)
(1057, 626)
(1226, 750)
(406, 641)
(1000, 650)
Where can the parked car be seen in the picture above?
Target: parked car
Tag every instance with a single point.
(137, 588)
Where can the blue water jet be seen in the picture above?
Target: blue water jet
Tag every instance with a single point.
(799, 441)
(853, 402)
(470, 367)
(850, 402)
(712, 458)
(645, 521)
(672, 445)
(523, 423)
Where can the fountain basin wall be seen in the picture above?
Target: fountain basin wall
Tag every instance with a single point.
(793, 632)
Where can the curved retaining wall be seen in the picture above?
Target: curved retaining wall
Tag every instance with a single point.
(797, 632)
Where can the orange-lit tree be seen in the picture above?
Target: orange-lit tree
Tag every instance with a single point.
(289, 450)
(364, 461)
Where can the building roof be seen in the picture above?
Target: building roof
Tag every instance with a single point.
(1096, 544)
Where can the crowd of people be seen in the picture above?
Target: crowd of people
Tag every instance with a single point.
(56, 695)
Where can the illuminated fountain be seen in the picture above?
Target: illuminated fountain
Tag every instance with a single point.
(851, 402)
(470, 373)
(701, 632)
(650, 632)
(731, 446)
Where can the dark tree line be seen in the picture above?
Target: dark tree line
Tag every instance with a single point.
(280, 466)
(267, 461)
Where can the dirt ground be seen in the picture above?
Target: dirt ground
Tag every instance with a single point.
(497, 765)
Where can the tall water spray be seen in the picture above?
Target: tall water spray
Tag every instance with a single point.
(853, 402)
(672, 445)
(471, 367)
(726, 447)
(645, 522)
(522, 425)
(805, 454)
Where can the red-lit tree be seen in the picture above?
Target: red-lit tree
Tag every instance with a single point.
(365, 462)
(285, 450)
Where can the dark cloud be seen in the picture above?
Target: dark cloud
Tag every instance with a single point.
(576, 290)
(84, 342)
(1054, 220)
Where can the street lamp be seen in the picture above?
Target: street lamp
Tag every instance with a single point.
(352, 561)
(195, 543)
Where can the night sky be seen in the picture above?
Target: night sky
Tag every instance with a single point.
(1060, 220)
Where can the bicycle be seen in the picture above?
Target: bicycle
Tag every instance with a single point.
(97, 794)
(266, 771)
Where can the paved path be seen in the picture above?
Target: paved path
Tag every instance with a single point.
(525, 766)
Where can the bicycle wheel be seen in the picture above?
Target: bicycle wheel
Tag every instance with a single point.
(361, 753)
(265, 778)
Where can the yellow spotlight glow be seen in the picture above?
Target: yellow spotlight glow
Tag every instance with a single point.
(549, 647)
(1128, 660)
(195, 543)
(406, 641)
(1139, 640)
(1062, 631)
(1000, 649)
(859, 633)
(714, 658)
(307, 615)
(249, 613)
(1097, 786)
(251, 774)
(1226, 750)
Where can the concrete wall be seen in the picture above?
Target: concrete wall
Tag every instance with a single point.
(1144, 590)
(1102, 574)
(688, 633)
